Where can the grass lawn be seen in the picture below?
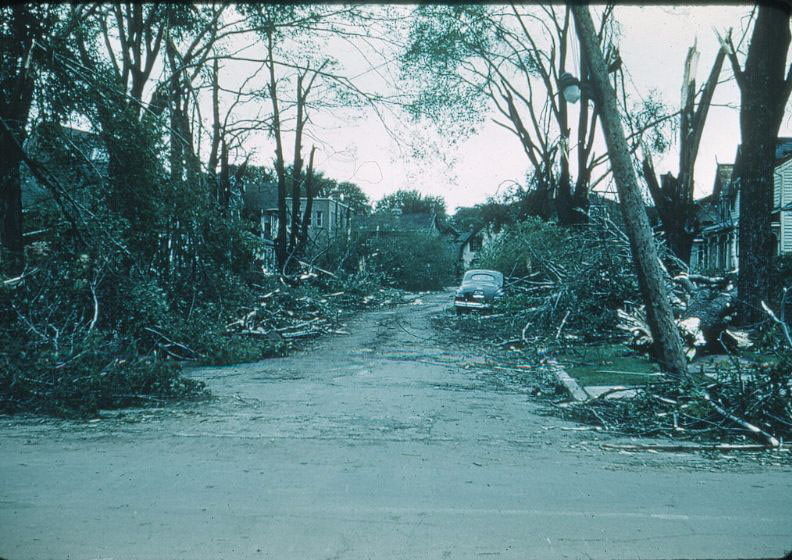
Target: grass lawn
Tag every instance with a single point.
(608, 364)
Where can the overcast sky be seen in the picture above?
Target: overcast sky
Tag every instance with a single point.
(653, 46)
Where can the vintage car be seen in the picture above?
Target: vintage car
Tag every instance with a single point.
(479, 290)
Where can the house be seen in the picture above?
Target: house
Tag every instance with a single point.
(716, 248)
(394, 223)
(472, 242)
(715, 245)
(76, 159)
(329, 217)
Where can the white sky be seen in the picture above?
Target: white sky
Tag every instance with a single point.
(653, 46)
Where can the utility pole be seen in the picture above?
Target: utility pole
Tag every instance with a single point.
(668, 345)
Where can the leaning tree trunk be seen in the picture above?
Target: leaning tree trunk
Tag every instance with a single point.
(667, 343)
(764, 92)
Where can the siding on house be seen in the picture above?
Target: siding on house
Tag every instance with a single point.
(783, 197)
(715, 249)
(328, 218)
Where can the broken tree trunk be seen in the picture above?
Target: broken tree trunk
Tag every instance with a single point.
(705, 309)
(673, 196)
(711, 309)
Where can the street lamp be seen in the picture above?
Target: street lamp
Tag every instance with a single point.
(569, 86)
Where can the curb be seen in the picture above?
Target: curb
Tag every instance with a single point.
(572, 387)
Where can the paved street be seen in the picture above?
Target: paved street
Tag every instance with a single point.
(383, 443)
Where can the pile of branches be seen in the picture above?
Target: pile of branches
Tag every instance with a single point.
(69, 347)
(55, 359)
(744, 400)
(753, 404)
(561, 282)
(310, 303)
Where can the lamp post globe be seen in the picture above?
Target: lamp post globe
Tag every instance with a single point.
(570, 87)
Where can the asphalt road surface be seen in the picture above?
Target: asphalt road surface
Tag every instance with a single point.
(383, 443)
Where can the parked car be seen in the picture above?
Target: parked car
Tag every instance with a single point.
(479, 290)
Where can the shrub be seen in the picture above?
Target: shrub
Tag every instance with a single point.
(412, 261)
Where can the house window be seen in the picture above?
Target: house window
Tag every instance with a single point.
(319, 222)
(476, 243)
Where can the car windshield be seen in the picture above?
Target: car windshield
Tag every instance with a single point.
(481, 278)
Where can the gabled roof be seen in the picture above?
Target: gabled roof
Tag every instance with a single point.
(397, 222)
(468, 235)
(412, 222)
(706, 212)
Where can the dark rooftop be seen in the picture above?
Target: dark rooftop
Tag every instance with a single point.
(783, 147)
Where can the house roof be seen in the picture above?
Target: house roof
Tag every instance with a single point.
(783, 147)
(468, 235)
(412, 222)
(706, 212)
(397, 222)
(260, 196)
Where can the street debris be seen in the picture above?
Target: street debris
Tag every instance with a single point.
(312, 308)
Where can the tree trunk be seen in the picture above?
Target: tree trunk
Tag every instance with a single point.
(673, 196)
(764, 93)
(309, 197)
(15, 111)
(11, 210)
(281, 253)
(668, 345)
(296, 176)
(673, 208)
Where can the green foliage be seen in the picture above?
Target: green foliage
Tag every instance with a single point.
(141, 259)
(412, 202)
(513, 204)
(412, 261)
(443, 40)
(99, 372)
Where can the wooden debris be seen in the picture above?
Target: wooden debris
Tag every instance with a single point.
(755, 431)
(689, 447)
